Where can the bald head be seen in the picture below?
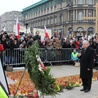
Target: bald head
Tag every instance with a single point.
(85, 44)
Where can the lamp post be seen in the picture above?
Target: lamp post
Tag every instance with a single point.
(26, 27)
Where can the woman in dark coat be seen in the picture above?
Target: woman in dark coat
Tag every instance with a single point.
(86, 66)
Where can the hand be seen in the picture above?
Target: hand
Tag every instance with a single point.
(88, 69)
(79, 54)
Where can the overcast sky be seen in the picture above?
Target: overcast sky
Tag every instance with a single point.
(14, 5)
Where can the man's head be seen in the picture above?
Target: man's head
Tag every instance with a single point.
(74, 50)
(85, 44)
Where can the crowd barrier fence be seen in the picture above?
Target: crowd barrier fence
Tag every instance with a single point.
(16, 56)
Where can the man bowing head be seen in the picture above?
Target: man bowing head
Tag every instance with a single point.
(86, 66)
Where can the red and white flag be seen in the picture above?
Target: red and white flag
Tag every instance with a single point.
(46, 33)
(17, 33)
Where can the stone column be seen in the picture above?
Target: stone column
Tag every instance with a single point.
(73, 14)
(87, 12)
(76, 15)
(84, 12)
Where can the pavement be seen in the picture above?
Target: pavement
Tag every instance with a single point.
(67, 70)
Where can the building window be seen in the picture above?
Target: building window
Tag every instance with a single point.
(80, 29)
(42, 22)
(48, 21)
(80, 16)
(90, 30)
(90, 1)
(51, 20)
(36, 14)
(26, 16)
(89, 14)
(71, 16)
(51, 9)
(70, 29)
(61, 17)
(39, 13)
(44, 11)
(55, 20)
(80, 1)
(33, 23)
(14, 15)
(10, 23)
(47, 9)
(38, 22)
(55, 7)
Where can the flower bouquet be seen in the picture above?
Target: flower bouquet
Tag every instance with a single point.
(69, 85)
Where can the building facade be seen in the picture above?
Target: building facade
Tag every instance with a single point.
(8, 20)
(62, 16)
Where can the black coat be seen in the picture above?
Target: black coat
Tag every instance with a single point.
(97, 49)
(86, 62)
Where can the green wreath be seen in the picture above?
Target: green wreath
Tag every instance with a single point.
(43, 80)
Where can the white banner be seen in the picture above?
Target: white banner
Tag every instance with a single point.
(42, 32)
(22, 29)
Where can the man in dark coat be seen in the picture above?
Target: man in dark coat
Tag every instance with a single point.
(86, 66)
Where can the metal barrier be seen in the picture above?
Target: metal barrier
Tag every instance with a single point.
(16, 56)
(13, 57)
(57, 55)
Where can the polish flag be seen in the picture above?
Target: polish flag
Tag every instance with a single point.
(17, 33)
(4, 29)
(46, 33)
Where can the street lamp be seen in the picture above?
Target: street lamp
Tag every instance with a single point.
(26, 27)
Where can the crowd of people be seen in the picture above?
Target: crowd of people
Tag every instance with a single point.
(10, 41)
(83, 49)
